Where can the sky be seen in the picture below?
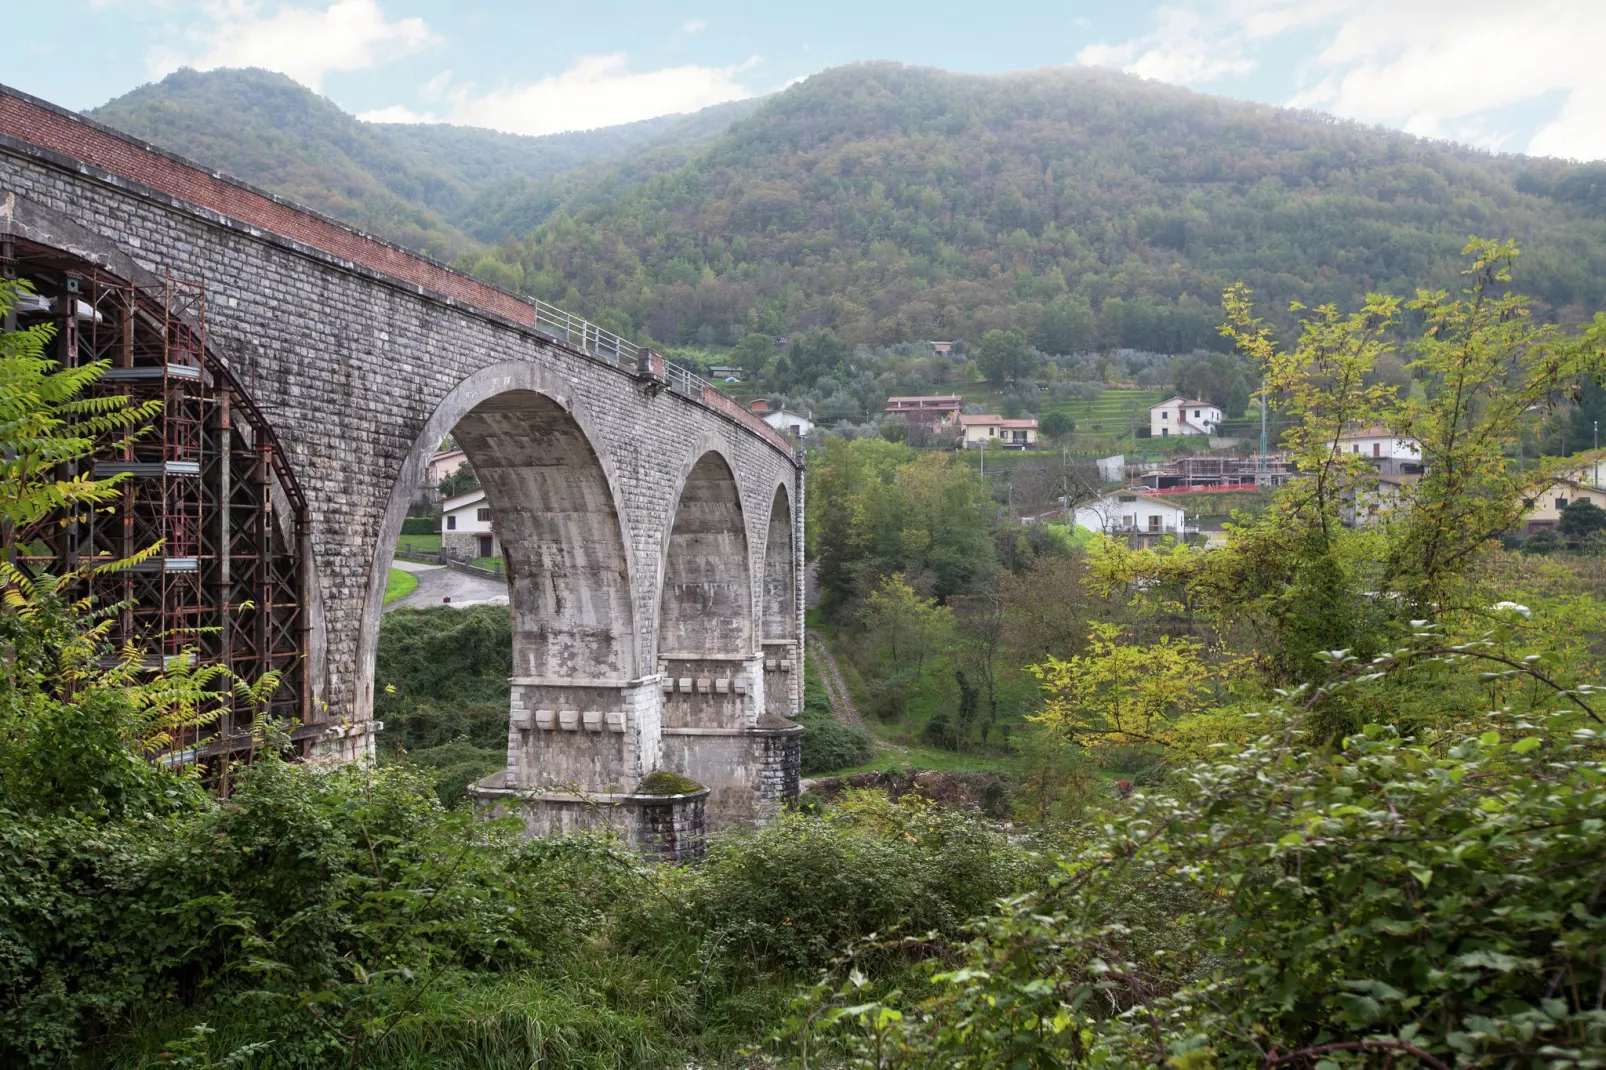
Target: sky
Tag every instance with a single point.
(1526, 76)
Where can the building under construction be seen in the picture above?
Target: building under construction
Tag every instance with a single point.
(205, 484)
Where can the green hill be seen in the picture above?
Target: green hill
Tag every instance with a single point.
(437, 188)
(1087, 207)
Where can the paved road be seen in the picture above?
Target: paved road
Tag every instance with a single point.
(436, 583)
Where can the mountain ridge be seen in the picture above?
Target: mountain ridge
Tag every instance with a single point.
(416, 184)
(1084, 208)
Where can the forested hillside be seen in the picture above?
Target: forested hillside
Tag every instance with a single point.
(1086, 207)
(436, 188)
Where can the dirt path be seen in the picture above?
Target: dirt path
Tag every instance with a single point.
(836, 689)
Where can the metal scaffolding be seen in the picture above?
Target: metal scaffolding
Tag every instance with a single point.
(207, 483)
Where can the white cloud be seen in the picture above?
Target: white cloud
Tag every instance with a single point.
(305, 43)
(435, 88)
(1179, 50)
(694, 26)
(596, 91)
(1440, 68)
(396, 113)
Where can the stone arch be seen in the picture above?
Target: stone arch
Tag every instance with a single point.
(779, 604)
(554, 500)
(706, 602)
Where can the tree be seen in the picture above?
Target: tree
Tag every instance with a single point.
(1580, 518)
(1121, 693)
(1056, 425)
(901, 628)
(460, 482)
(753, 355)
(1066, 325)
(1005, 356)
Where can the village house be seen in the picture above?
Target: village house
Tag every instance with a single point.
(466, 527)
(1545, 510)
(986, 429)
(791, 423)
(1134, 514)
(1391, 454)
(932, 412)
(1179, 416)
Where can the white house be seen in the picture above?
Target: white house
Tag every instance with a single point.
(1133, 513)
(1179, 416)
(788, 422)
(1392, 454)
(985, 429)
(466, 527)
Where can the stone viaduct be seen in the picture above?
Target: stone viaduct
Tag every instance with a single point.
(652, 529)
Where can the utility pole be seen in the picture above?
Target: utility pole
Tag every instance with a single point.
(1263, 426)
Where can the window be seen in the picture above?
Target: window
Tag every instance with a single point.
(1154, 523)
(991, 431)
(451, 522)
(482, 515)
(1355, 447)
(1195, 414)
(1561, 503)
(1165, 415)
(1377, 449)
(1128, 498)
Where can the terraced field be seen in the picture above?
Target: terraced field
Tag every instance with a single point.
(1107, 425)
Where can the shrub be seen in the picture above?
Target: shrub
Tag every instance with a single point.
(827, 743)
(794, 894)
(1543, 541)
(420, 525)
(1433, 898)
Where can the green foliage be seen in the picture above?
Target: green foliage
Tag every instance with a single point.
(1088, 209)
(47, 423)
(420, 525)
(1056, 425)
(459, 482)
(1543, 541)
(876, 508)
(1581, 518)
(793, 894)
(828, 744)
(1005, 356)
(1435, 898)
(441, 685)
(667, 782)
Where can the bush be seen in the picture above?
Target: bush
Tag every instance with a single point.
(1543, 541)
(353, 884)
(420, 525)
(828, 744)
(794, 894)
(1437, 895)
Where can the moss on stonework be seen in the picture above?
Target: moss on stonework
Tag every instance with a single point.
(664, 782)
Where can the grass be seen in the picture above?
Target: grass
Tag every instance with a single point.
(420, 544)
(399, 584)
(899, 744)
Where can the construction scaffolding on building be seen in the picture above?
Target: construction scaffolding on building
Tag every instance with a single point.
(206, 485)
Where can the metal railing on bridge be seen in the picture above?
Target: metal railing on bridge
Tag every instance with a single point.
(623, 353)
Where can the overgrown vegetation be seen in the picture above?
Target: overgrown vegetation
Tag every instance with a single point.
(1328, 796)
